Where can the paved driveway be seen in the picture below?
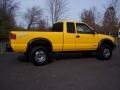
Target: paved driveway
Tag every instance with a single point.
(67, 72)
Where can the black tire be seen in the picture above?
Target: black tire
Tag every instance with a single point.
(39, 55)
(104, 52)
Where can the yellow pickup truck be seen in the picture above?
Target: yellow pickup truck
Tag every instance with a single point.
(63, 37)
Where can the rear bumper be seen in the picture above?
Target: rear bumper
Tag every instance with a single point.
(9, 48)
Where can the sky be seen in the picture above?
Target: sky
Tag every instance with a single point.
(75, 7)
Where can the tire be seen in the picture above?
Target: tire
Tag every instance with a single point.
(104, 52)
(39, 56)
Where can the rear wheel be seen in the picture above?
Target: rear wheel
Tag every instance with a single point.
(104, 52)
(39, 55)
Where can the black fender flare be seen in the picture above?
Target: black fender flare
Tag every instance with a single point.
(106, 40)
(39, 41)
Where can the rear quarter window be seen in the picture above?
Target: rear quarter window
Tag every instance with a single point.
(58, 27)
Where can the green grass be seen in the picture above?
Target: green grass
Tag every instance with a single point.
(2, 49)
(118, 41)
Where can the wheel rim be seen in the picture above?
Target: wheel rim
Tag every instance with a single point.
(40, 56)
(106, 53)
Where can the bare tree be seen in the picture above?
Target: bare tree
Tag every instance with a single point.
(33, 16)
(88, 17)
(42, 24)
(110, 21)
(115, 4)
(7, 16)
(57, 9)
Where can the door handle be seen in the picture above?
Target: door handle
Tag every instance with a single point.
(77, 36)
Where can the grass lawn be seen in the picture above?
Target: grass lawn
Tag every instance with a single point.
(2, 48)
(118, 41)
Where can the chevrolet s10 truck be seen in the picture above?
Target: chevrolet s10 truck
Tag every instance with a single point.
(63, 37)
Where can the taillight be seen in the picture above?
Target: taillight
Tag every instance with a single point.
(12, 36)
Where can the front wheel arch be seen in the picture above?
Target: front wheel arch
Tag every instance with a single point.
(107, 42)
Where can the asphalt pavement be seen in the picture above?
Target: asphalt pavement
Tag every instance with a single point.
(66, 72)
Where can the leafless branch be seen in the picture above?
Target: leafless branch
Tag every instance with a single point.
(57, 9)
(33, 15)
(88, 17)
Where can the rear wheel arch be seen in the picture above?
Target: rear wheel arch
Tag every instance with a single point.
(39, 41)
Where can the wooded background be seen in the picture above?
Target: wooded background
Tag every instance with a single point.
(108, 23)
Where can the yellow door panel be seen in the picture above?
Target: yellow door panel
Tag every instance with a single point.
(69, 42)
(69, 36)
(85, 38)
(86, 42)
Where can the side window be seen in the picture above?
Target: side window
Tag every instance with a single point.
(70, 27)
(58, 27)
(82, 28)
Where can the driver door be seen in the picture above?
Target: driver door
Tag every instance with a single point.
(85, 38)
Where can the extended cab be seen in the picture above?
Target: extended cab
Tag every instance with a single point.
(64, 36)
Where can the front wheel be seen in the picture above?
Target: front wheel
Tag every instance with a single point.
(39, 56)
(104, 52)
